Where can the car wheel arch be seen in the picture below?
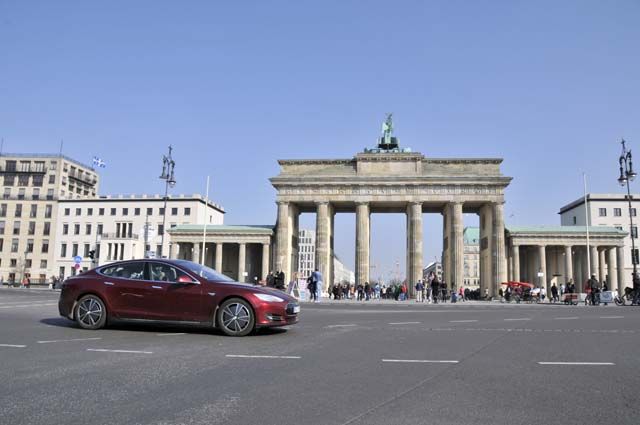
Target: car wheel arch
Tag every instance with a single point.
(95, 294)
(225, 299)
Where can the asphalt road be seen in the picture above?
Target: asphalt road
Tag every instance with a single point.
(342, 364)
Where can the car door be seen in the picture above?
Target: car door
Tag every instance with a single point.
(177, 295)
(127, 292)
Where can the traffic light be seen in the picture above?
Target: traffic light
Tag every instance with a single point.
(92, 254)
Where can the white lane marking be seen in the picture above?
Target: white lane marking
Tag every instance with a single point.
(521, 318)
(341, 326)
(418, 361)
(172, 334)
(13, 345)
(243, 356)
(102, 350)
(462, 321)
(404, 323)
(68, 340)
(612, 317)
(566, 318)
(578, 363)
(28, 305)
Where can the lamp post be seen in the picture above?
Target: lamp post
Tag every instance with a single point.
(168, 165)
(626, 177)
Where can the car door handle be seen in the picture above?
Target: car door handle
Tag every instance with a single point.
(108, 283)
(213, 294)
(156, 287)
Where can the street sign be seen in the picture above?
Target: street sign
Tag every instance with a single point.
(77, 259)
(76, 266)
(540, 274)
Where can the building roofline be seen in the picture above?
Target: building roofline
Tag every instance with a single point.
(47, 156)
(146, 198)
(598, 197)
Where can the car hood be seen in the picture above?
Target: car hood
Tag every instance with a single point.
(264, 290)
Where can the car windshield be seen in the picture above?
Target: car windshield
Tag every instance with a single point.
(203, 271)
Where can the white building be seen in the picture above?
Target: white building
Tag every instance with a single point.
(607, 209)
(307, 259)
(32, 185)
(341, 273)
(471, 237)
(435, 268)
(123, 227)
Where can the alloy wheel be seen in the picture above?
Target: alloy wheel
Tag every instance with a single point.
(236, 317)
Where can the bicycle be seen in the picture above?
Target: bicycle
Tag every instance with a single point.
(629, 297)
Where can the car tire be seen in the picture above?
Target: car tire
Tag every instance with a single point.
(236, 317)
(90, 313)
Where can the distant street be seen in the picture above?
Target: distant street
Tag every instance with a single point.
(396, 363)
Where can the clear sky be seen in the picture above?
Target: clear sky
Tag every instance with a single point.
(550, 86)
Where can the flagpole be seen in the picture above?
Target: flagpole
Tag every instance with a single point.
(586, 218)
(204, 229)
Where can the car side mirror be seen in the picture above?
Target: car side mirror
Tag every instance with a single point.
(185, 279)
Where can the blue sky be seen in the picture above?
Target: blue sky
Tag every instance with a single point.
(549, 86)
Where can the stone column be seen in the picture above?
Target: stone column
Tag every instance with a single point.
(458, 246)
(219, 248)
(265, 260)
(601, 265)
(568, 264)
(620, 267)
(542, 258)
(283, 239)
(323, 242)
(500, 269)
(594, 261)
(516, 263)
(195, 256)
(242, 255)
(611, 270)
(362, 242)
(446, 243)
(414, 244)
(486, 247)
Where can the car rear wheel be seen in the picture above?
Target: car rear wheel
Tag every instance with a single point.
(236, 317)
(91, 313)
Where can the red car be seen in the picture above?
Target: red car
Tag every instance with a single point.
(175, 291)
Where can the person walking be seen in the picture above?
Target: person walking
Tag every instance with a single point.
(419, 288)
(317, 278)
(435, 289)
(554, 293)
(593, 284)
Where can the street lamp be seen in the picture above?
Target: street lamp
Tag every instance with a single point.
(626, 177)
(168, 165)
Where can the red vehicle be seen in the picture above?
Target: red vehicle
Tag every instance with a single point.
(175, 291)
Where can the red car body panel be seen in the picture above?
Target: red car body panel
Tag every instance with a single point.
(155, 300)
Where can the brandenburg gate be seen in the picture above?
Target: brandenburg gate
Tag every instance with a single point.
(389, 179)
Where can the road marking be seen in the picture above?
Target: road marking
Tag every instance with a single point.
(404, 323)
(243, 356)
(521, 318)
(102, 350)
(68, 340)
(172, 334)
(13, 345)
(462, 321)
(578, 363)
(612, 317)
(566, 318)
(418, 361)
(28, 305)
(341, 326)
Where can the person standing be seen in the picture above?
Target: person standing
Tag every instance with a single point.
(271, 280)
(317, 278)
(554, 293)
(419, 289)
(593, 284)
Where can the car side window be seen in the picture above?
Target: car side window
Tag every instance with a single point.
(164, 273)
(133, 271)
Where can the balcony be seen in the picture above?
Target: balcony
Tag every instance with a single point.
(18, 170)
(83, 178)
(119, 236)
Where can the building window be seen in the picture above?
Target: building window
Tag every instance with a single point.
(9, 179)
(36, 194)
(21, 193)
(43, 264)
(46, 230)
(23, 180)
(29, 245)
(76, 229)
(617, 212)
(1, 244)
(99, 229)
(33, 213)
(63, 250)
(13, 262)
(160, 229)
(101, 211)
(14, 245)
(49, 194)
(89, 211)
(18, 210)
(634, 232)
(7, 193)
(86, 250)
(78, 211)
(32, 228)
(16, 227)
(634, 256)
(174, 211)
(3, 210)
(87, 229)
(27, 263)
(125, 211)
(136, 211)
(52, 179)
(65, 229)
(74, 249)
(38, 180)
(602, 212)
(45, 246)
(187, 211)
(113, 211)
(633, 212)
(161, 211)
(149, 211)
(1, 227)
(67, 211)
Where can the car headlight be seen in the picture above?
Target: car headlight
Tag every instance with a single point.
(268, 298)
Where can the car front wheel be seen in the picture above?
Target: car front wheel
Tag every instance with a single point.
(91, 313)
(236, 317)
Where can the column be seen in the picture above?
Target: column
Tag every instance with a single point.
(542, 261)
(195, 256)
(500, 269)
(323, 242)
(219, 248)
(516, 263)
(242, 254)
(446, 243)
(612, 280)
(601, 265)
(265, 260)
(362, 242)
(568, 264)
(486, 247)
(594, 261)
(458, 246)
(283, 239)
(414, 244)
(620, 268)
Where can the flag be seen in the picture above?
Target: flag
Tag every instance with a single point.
(98, 162)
